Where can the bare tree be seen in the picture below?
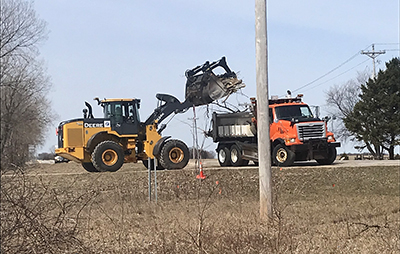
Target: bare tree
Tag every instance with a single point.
(341, 100)
(25, 110)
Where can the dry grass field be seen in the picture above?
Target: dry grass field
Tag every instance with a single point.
(60, 208)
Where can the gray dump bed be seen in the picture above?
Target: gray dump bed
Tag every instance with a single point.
(233, 126)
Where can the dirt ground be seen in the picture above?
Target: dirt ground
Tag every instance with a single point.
(348, 207)
(208, 164)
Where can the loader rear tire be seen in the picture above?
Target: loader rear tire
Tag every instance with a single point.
(174, 155)
(89, 167)
(108, 156)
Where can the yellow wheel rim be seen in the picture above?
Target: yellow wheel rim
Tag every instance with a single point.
(176, 155)
(109, 157)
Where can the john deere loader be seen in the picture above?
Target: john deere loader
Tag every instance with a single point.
(104, 144)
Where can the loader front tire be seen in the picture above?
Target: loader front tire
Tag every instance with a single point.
(89, 167)
(108, 156)
(146, 164)
(174, 155)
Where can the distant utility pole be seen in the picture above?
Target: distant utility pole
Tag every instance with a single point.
(373, 54)
(264, 147)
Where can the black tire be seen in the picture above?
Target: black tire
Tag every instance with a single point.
(146, 164)
(108, 156)
(236, 157)
(89, 167)
(224, 157)
(282, 156)
(174, 155)
(330, 157)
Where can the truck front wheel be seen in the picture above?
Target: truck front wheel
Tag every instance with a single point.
(174, 155)
(330, 157)
(224, 156)
(282, 156)
(108, 156)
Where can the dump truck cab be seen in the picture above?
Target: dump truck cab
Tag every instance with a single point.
(297, 134)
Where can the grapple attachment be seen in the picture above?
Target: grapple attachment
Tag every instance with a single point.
(204, 87)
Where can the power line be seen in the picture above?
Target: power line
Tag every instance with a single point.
(337, 75)
(326, 74)
(392, 43)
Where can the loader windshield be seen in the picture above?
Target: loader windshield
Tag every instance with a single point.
(122, 111)
(293, 111)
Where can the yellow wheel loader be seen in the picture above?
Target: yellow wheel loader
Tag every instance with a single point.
(104, 144)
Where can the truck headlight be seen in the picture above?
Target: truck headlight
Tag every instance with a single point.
(292, 140)
(330, 138)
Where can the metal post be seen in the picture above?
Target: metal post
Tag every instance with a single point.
(155, 179)
(264, 147)
(149, 169)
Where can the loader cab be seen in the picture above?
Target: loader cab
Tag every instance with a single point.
(123, 114)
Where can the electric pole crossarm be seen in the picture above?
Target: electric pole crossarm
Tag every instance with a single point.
(373, 54)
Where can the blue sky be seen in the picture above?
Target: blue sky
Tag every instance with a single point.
(135, 49)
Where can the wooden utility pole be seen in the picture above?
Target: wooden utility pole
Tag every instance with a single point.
(373, 54)
(264, 147)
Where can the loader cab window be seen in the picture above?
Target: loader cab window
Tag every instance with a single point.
(133, 112)
(114, 111)
(124, 116)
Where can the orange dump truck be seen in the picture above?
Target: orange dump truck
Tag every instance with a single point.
(295, 135)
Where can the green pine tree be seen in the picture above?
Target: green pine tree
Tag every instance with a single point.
(375, 119)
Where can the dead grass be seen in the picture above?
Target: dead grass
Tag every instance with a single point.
(317, 210)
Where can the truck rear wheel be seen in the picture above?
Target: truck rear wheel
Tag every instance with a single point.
(224, 158)
(89, 167)
(330, 157)
(282, 156)
(236, 157)
(174, 155)
(108, 156)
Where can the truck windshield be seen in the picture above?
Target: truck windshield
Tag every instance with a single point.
(293, 111)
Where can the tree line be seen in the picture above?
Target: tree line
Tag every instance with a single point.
(24, 84)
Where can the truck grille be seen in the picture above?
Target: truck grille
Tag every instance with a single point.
(310, 130)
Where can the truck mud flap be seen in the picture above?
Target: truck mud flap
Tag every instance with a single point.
(204, 87)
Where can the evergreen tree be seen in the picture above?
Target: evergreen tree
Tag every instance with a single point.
(375, 119)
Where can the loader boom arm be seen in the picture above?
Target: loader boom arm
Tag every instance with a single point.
(168, 104)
